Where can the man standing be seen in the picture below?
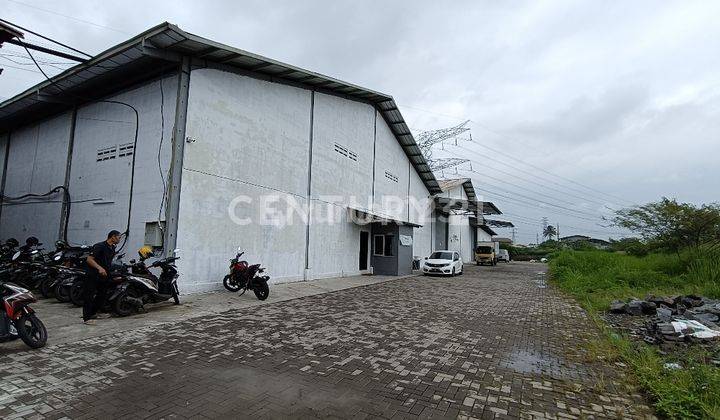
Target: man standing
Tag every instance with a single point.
(96, 281)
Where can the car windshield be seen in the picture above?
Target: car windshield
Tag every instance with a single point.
(483, 250)
(441, 256)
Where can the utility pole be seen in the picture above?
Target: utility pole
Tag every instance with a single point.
(557, 232)
(513, 234)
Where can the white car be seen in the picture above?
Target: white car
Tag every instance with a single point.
(504, 255)
(443, 263)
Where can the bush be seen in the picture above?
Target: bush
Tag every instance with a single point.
(595, 278)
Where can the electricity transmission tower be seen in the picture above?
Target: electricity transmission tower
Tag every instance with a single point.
(427, 139)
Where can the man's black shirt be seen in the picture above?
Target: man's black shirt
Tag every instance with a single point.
(103, 253)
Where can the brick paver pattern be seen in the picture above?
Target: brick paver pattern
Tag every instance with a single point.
(496, 342)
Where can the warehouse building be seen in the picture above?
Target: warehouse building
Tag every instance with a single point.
(203, 147)
(460, 221)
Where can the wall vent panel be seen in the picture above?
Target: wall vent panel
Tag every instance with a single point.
(106, 153)
(126, 149)
(342, 150)
(391, 177)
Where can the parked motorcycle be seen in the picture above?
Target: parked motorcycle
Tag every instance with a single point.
(66, 262)
(139, 286)
(25, 268)
(18, 320)
(245, 277)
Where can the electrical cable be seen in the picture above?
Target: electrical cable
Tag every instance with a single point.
(535, 175)
(69, 17)
(514, 158)
(555, 175)
(159, 153)
(126, 234)
(66, 201)
(45, 38)
(484, 165)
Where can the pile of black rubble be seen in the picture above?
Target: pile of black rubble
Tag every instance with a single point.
(688, 318)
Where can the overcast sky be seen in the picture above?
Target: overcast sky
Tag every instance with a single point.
(618, 101)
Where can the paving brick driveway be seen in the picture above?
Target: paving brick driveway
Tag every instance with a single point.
(492, 343)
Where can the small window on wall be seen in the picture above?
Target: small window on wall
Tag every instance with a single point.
(383, 245)
(389, 240)
(379, 245)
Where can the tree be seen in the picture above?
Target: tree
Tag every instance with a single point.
(549, 232)
(671, 224)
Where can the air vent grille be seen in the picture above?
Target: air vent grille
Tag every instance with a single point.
(391, 177)
(339, 148)
(126, 149)
(106, 153)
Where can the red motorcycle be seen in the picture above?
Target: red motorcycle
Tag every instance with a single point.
(17, 319)
(244, 276)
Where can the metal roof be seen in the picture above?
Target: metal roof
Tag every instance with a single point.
(499, 223)
(487, 230)
(448, 184)
(157, 50)
(364, 217)
(488, 207)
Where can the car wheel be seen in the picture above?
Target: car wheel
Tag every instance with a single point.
(453, 272)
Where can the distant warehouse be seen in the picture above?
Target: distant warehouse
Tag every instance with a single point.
(311, 176)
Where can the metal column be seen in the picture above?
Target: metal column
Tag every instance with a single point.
(172, 211)
(4, 174)
(64, 211)
(309, 186)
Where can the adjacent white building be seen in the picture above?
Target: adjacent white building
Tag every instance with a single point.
(460, 217)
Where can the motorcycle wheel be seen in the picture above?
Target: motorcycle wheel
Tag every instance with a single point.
(46, 289)
(230, 284)
(76, 295)
(62, 293)
(121, 306)
(31, 331)
(261, 289)
(176, 295)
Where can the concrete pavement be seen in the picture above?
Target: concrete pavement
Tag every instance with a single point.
(496, 342)
(64, 321)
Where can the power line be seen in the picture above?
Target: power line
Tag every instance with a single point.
(39, 61)
(533, 205)
(45, 38)
(555, 175)
(30, 64)
(505, 182)
(484, 156)
(531, 181)
(514, 158)
(21, 68)
(69, 17)
(540, 201)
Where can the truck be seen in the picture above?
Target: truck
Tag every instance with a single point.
(486, 253)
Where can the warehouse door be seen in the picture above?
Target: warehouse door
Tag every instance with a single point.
(364, 247)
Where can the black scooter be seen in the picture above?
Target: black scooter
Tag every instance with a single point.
(139, 286)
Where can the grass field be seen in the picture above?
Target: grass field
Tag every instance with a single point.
(595, 278)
